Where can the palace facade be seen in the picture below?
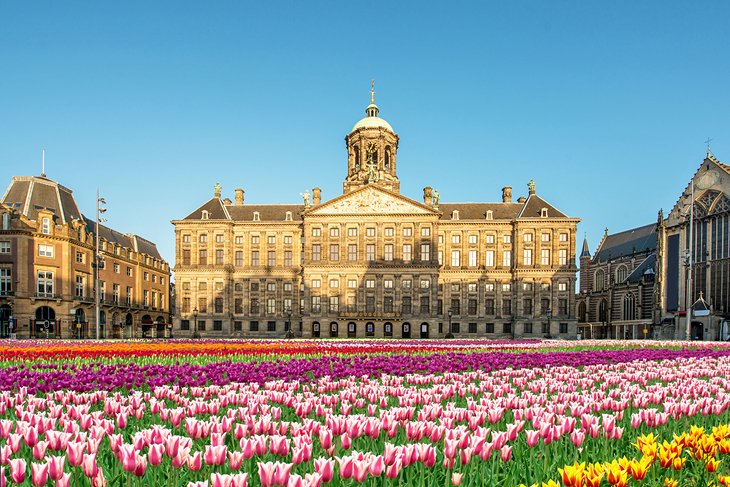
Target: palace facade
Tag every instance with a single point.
(375, 263)
(47, 249)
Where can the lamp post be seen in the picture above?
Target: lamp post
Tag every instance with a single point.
(549, 315)
(688, 293)
(287, 326)
(196, 334)
(98, 263)
(449, 334)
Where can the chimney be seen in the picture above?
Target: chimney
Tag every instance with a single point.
(239, 196)
(316, 196)
(521, 199)
(227, 202)
(428, 196)
(507, 194)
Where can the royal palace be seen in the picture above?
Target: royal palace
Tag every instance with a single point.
(375, 263)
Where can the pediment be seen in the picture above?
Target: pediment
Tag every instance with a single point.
(371, 200)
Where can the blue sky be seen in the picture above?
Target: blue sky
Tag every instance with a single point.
(604, 104)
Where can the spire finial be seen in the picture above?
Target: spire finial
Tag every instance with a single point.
(707, 142)
(43, 162)
(372, 92)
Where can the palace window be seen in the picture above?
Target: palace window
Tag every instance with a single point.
(527, 256)
(507, 258)
(271, 258)
(388, 251)
(255, 258)
(425, 252)
(370, 252)
(203, 257)
(425, 231)
(334, 252)
(388, 231)
(334, 232)
(316, 232)
(456, 238)
(562, 257)
(407, 231)
(316, 252)
(352, 232)
(370, 231)
(334, 283)
(407, 252)
(545, 257)
(287, 258)
(489, 260)
(5, 247)
(352, 252)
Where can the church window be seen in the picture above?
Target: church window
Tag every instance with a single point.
(599, 281)
(621, 274)
(629, 311)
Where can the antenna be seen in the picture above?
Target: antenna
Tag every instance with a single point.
(43, 163)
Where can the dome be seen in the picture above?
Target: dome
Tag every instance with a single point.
(372, 120)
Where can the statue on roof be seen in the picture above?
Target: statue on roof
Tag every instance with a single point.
(436, 196)
(217, 188)
(305, 196)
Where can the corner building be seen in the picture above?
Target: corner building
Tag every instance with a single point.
(47, 270)
(375, 263)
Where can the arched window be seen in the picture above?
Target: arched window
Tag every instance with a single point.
(387, 158)
(603, 311)
(204, 215)
(582, 312)
(629, 311)
(356, 149)
(621, 274)
(599, 281)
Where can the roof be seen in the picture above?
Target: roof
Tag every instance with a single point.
(30, 194)
(534, 206)
(266, 212)
(586, 252)
(215, 208)
(478, 211)
(372, 122)
(128, 240)
(628, 242)
(647, 266)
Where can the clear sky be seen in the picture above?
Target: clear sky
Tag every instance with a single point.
(606, 105)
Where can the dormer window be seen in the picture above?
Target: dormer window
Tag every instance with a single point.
(256, 216)
(455, 215)
(543, 213)
(490, 215)
(288, 216)
(205, 215)
(46, 225)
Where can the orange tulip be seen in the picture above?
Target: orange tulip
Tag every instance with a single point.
(615, 475)
(724, 446)
(670, 482)
(638, 468)
(711, 464)
(678, 463)
(573, 476)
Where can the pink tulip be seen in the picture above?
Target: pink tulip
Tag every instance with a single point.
(195, 461)
(75, 453)
(235, 459)
(215, 455)
(360, 470)
(155, 453)
(239, 480)
(204, 483)
(266, 473)
(377, 466)
(220, 480)
(3, 481)
(282, 473)
(141, 465)
(533, 438)
(39, 474)
(128, 457)
(64, 480)
(392, 471)
(456, 478)
(172, 445)
(31, 436)
(99, 480)
(346, 467)
(325, 468)
(39, 450)
(55, 466)
(506, 453)
(88, 465)
(5, 453)
(14, 442)
(295, 481)
(180, 459)
(17, 470)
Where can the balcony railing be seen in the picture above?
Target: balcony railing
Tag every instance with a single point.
(38, 295)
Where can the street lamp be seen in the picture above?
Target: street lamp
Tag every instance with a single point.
(98, 262)
(549, 315)
(449, 334)
(196, 334)
(287, 326)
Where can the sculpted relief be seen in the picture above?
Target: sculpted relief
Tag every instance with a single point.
(371, 201)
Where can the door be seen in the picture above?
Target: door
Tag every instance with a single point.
(406, 330)
(424, 330)
(334, 329)
(315, 329)
(697, 331)
(351, 330)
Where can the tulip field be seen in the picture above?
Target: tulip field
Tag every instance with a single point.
(228, 413)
